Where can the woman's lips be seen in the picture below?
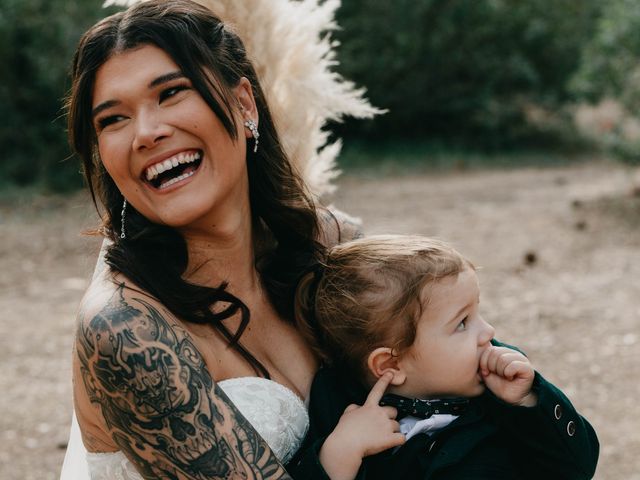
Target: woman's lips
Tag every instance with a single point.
(173, 170)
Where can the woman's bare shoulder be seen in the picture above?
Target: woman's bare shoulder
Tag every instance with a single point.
(337, 226)
(159, 404)
(107, 290)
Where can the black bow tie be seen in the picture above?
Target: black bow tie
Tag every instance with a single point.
(424, 408)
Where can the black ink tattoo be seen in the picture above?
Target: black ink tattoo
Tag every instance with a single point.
(160, 403)
(353, 228)
(346, 228)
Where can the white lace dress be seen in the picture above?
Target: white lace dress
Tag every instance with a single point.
(278, 415)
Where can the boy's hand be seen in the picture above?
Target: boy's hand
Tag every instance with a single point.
(509, 375)
(361, 431)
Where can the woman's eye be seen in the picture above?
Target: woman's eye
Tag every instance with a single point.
(110, 120)
(462, 325)
(170, 92)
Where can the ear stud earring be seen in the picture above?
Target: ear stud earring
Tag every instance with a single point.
(253, 127)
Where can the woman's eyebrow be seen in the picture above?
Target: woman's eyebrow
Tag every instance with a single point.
(167, 77)
(103, 106)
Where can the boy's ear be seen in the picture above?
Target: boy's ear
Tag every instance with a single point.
(382, 360)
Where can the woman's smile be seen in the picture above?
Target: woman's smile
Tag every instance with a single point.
(173, 170)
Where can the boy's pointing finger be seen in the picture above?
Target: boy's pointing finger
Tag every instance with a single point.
(377, 391)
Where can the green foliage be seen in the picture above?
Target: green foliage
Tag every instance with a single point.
(37, 40)
(610, 64)
(609, 76)
(462, 69)
(465, 72)
(407, 158)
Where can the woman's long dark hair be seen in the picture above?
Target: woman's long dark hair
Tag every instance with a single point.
(154, 256)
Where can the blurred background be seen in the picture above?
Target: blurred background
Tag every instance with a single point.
(464, 79)
(513, 131)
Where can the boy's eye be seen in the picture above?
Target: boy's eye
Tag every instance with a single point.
(170, 92)
(462, 325)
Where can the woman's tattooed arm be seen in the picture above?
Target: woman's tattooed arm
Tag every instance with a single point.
(159, 402)
(337, 227)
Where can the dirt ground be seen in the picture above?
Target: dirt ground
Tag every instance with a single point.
(560, 255)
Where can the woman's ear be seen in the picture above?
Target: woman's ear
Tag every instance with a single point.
(383, 360)
(246, 102)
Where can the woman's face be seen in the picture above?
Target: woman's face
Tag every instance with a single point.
(165, 149)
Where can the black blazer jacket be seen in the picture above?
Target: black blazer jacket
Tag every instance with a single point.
(492, 440)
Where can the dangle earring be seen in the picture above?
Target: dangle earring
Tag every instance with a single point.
(123, 214)
(251, 125)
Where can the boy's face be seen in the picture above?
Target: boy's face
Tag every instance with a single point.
(450, 338)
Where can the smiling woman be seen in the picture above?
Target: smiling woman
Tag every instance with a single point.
(208, 233)
(157, 137)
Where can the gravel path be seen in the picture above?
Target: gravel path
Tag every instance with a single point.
(560, 255)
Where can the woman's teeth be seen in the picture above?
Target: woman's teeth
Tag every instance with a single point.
(176, 179)
(180, 159)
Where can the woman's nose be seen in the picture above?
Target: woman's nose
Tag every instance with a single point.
(150, 130)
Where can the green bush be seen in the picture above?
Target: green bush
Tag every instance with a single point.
(610, 65)
(609, 78)
(464, 70)
(37, 40)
